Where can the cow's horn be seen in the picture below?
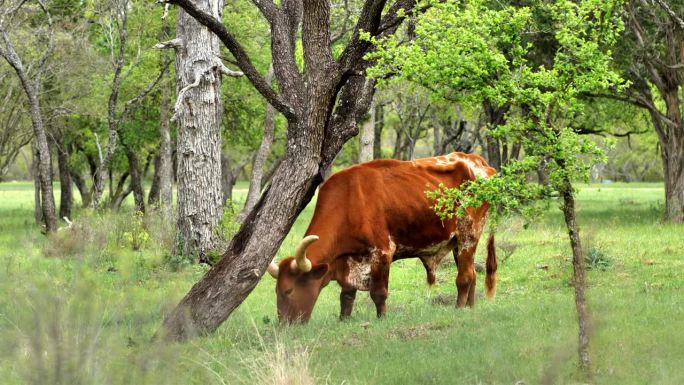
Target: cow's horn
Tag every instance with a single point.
(273, 269)
(301, 262)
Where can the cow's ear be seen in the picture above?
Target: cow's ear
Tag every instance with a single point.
(318, 271)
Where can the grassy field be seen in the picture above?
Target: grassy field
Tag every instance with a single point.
(82, 308)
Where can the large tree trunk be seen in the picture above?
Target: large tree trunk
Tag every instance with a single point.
(366, 138)
(44, 160)
(579, 281)
(323, 107)
(260, 158)
(198, 82)
(229, 282)
(66, 190)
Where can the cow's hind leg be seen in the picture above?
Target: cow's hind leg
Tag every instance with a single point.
(347, 297)
(380, 281)
(466, 277)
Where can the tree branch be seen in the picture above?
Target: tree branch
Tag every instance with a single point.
(243, 60)
(267, 8)
(129, 105)
(676, 19)
(369, 22)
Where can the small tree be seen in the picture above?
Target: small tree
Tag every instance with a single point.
(472, 52)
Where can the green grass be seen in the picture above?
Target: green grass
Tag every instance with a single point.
(106, 301)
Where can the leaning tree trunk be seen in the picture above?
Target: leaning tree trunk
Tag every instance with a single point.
(198, 113)
(367, 137)
(260, 158)
(44, 161)
(323, 106)
(579, 281)
(32, 90)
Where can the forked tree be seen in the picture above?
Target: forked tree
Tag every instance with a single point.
(322, 105)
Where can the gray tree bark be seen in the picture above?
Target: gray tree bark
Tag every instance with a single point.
(367, 137)
(198, 112)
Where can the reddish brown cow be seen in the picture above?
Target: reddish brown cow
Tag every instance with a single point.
(372, 214)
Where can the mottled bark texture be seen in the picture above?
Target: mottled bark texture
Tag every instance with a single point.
(198, 113)
(323, 106)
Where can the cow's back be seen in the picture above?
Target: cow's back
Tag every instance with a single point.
(365, 205)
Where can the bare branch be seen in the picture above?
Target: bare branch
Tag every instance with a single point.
(243, 60)
(675, 18)
(267, 8)
(173, 43)
(369, 21)
(132, 103)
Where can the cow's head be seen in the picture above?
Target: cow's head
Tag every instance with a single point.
(299, 283)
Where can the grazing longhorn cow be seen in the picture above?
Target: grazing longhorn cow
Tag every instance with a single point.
(374, 213)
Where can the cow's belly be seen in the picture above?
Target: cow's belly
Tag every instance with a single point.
(435, 251)
(360, 267)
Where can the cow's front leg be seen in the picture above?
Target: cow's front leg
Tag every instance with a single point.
(380, 282)
(347, 297)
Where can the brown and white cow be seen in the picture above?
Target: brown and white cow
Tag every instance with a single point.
(374, 213)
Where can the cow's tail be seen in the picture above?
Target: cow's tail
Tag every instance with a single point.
(490, 280)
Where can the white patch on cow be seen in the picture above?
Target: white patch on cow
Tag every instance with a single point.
(392, 246)
(359, 273)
